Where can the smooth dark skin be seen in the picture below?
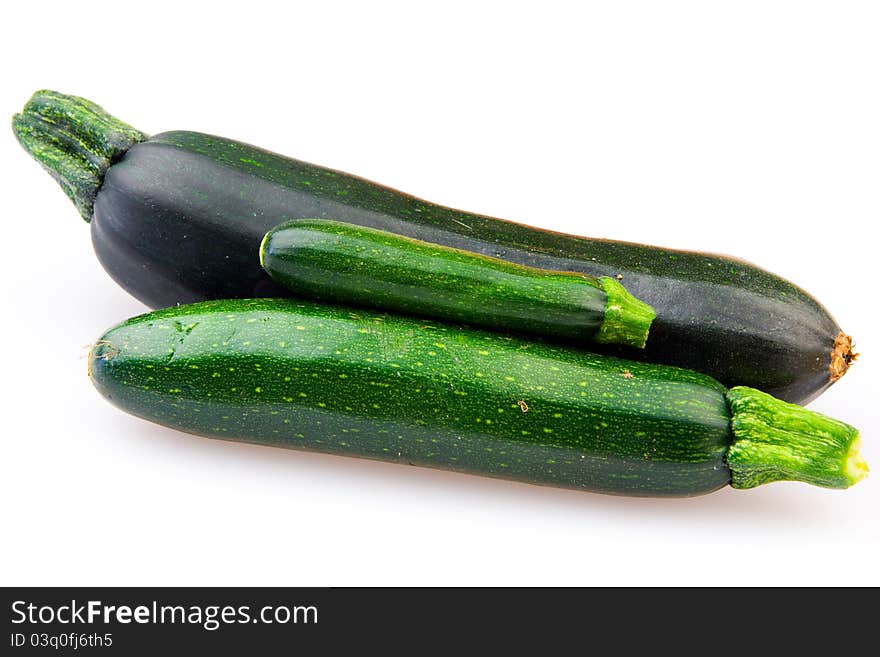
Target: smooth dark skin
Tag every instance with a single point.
(181, 216)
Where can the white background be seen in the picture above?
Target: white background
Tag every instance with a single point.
(748, 128)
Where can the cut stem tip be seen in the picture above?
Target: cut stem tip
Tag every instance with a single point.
(627, 319)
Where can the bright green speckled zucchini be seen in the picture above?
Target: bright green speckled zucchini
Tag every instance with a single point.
(355, 265)
(324, 378)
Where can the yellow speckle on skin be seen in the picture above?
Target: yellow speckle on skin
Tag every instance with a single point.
(258, 389)
(557, 415)
(299, 327)
(282, 343)
(483, 352)
(509, 378)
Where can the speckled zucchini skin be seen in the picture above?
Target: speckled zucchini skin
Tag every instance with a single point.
(180, 218)
(343, 263)
(307, 376)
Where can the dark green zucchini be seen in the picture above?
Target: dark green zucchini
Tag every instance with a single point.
(353, 265)
(308, 376)
(179, 217)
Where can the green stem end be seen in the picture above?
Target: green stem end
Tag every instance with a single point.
(627, 319)
(777, 441)
(75, 141)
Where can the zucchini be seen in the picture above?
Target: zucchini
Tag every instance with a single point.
(179, 217)
(349, 264)
(308, 376)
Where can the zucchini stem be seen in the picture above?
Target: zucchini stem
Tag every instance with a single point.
(842, 356)
(627, 319)
(75, 141)
(777, 441)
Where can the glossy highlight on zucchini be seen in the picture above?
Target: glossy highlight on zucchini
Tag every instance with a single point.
(332, 379)
(178, 217)
(353, 265)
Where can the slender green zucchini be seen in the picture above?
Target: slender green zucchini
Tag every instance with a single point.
(353, 265)
(309, 376)
(178, 217)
